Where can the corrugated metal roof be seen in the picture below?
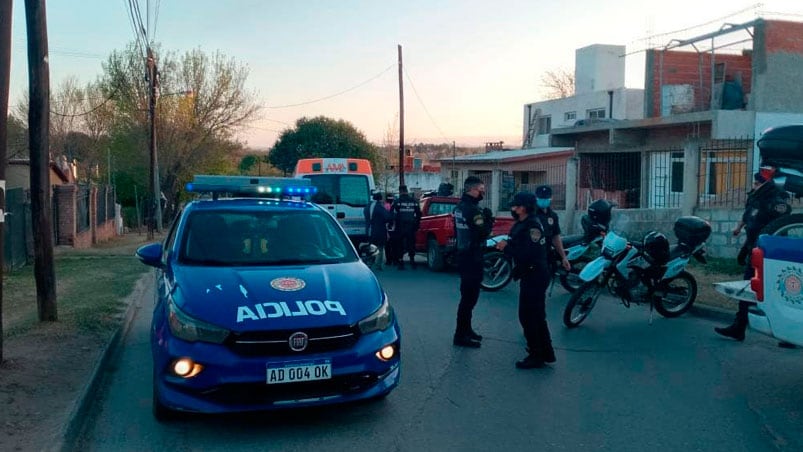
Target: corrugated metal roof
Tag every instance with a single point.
(506, 155)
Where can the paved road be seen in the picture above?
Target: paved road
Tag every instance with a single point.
(620, 384)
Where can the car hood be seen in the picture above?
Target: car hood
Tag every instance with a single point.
(267, 298)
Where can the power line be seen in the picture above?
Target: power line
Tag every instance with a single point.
(336, 94)
(704, 24)
(133, 23)
(415, 91)
(156, 18)
(90, 111)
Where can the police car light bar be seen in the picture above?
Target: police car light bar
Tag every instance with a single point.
(251, 186)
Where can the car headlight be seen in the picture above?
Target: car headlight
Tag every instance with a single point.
(190, 329)
(380, 320)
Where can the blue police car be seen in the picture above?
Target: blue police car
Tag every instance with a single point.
(262, 302)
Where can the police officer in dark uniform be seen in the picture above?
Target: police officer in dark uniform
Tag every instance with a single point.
(528, 246)
(549, 220)
(407, 213)
(765, 202)
(472, 227)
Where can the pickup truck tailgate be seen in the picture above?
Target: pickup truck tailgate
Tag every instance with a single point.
(737, 290)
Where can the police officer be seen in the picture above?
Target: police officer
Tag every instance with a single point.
(377, 217)
(407, 213)
(472, 227)
(528, 246)
(549, 220)
(765, 202)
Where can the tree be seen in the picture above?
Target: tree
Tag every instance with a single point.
(559, 83)
(320, 137)
(195, 132)
(17, 138)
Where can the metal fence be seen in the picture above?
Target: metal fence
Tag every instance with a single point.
(105, 204)
(532, 176)
(82, 208)
(725, 176)
(18, 235)
(615, 176)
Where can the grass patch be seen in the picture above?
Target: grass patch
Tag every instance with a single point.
(716, 270)
(89, 292)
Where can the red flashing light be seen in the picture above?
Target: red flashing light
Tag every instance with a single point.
(757, 281)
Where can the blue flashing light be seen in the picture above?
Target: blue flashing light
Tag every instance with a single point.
(250, 186)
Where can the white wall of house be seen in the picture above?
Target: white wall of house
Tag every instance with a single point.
(628, 103)
(416, 181)
(599, 67)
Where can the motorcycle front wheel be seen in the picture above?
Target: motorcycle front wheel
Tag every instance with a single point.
(496, 271)
(571, 280)
(581, 303)
(676, 296)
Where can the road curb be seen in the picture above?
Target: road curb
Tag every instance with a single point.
(712, 312)
(74, 425)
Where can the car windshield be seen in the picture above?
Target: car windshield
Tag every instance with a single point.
(234, 238)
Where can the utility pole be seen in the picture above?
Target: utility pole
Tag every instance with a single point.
(156, 204)
(5, 76)
(401, 121)
(38, 130)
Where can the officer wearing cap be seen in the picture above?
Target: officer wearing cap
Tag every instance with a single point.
(765, 202)
(528, 247)
(472, 227)
(407, 213)
(549, 219)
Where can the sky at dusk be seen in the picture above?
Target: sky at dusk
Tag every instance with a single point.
(469, 66)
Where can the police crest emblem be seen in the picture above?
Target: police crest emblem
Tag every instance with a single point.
(790, 286)
(535, 234)
(479, 220)
(550, 221)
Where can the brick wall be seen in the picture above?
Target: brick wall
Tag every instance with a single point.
(65, 196)
(782, 36)
(691, 68)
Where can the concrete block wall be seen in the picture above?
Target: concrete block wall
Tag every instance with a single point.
(634, 224)
(722, 243)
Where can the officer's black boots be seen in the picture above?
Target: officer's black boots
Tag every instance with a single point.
(530, 362)
(465, 340)
(734, 331)
(474, 335)
(549, 355)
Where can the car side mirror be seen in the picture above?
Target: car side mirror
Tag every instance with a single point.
(150, 254)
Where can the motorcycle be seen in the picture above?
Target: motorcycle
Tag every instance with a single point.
(498, 269)
(648, 272)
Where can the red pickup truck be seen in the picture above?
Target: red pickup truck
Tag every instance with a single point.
(435, 235)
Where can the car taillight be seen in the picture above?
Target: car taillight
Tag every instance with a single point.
(757, 281)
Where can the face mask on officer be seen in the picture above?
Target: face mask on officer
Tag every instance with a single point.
(543, 203)
(514, 214)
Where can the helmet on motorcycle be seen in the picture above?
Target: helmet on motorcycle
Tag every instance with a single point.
(591, 230)
(600, 211)
(656, 248)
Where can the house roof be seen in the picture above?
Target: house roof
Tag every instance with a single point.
(59, 172)
(509, 156)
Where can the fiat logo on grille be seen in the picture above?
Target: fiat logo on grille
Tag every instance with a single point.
(298, 341)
